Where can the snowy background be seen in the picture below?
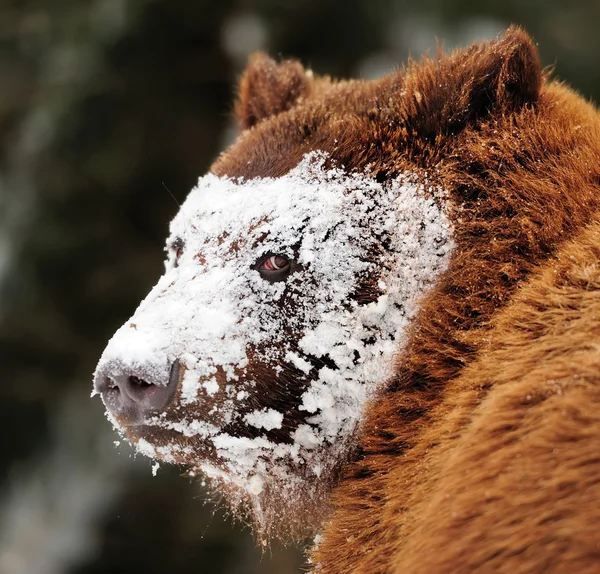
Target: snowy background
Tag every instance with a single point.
(105, 104)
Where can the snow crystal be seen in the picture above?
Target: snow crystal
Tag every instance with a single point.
(267, 419)
(145, 448)
(211, 386)
(255, 485)
(299, 362)
(306, 437)
(214, 312)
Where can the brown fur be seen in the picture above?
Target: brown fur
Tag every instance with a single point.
(505, 474)
(267, 88)
(482, 454)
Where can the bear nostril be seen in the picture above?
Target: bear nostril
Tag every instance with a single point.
(136, 381)
(106, 385)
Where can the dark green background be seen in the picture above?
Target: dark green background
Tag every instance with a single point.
(104, 106)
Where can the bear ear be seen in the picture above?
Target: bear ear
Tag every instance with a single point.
(495, 77)
(268, 88)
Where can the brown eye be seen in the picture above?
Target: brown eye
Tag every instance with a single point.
(274, 268)
(274, 263)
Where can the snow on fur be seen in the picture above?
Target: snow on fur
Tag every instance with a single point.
(213, 306)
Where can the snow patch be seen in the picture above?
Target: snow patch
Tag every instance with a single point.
(267, 419)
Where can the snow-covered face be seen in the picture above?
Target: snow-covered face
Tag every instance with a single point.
(283, 304)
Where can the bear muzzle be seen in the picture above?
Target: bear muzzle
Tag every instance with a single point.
(132, 397)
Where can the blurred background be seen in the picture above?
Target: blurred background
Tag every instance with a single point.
(107, 107)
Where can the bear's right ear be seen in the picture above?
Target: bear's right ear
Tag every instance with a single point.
(268, 88)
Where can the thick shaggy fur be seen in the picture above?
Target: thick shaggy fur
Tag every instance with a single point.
(482, 455)
(503, 474)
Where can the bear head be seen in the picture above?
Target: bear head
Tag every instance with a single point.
(296, 270)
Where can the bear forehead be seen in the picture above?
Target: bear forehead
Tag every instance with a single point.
(305, 198)
(339, 120)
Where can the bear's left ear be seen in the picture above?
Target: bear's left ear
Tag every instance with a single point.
(500, 76)
(268, 88)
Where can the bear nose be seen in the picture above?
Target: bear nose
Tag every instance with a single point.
(135, 396)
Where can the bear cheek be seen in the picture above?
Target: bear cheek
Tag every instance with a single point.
(274, 387)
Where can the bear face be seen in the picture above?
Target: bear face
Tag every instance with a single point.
(350, 241)
(283, 302)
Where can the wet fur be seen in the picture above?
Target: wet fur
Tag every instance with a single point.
(482, 455)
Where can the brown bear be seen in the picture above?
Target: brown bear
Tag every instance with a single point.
(380, 318)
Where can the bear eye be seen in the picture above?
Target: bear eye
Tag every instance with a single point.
(274, 263)
(274, 268)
